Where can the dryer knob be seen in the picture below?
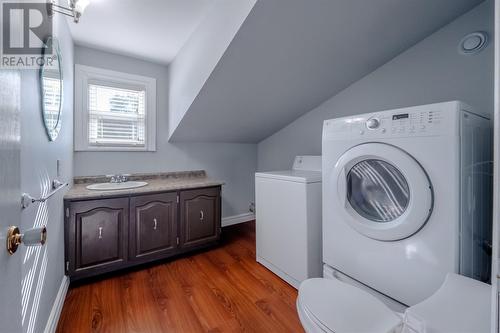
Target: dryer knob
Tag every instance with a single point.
(373, 123)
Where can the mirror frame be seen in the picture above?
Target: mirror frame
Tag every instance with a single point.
(53, 132)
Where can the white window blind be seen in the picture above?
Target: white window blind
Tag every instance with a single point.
(114, 111)
(51, 98)
(117, 116)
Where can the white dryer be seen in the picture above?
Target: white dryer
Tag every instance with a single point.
(407, 198)
(288, 220)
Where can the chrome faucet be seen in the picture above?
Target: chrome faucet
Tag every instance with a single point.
(121, 178)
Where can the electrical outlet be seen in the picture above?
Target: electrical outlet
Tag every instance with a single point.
(251, 207)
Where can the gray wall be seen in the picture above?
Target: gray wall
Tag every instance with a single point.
(198, 57)
(431, 71)
(291, 55)
(233, 163)
(44, 267)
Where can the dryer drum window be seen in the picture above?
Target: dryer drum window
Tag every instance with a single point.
(377, 190)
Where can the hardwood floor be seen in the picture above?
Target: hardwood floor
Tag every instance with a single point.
(221, 290)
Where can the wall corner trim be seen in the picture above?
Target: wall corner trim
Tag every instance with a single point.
(57, 307)
(236, 219)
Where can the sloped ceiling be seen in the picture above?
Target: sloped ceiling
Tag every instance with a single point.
(291, 55)
(153, 30)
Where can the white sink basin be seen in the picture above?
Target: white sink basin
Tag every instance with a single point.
(116, 186)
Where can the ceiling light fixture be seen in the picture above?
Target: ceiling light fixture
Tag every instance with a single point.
(75, 9)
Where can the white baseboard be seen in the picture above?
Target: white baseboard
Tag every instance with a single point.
(236, 219)
(55, 313)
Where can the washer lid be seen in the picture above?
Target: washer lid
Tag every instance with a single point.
(298, 176)
(342, 307)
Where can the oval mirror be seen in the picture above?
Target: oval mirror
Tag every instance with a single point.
(51, 83)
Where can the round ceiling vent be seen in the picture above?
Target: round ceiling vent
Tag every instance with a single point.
(473, 43)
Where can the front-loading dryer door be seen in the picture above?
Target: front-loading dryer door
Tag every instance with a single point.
(385, 194)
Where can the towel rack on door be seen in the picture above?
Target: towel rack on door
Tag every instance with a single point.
(27, 199)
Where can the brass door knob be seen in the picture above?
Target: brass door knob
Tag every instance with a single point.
(32, 237)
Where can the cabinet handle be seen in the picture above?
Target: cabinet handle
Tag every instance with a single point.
(202, 215)
(156, 223)
(100, 232)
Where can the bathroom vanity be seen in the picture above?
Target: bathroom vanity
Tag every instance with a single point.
(110, 230)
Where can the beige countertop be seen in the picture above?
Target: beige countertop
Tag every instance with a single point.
(161, 182)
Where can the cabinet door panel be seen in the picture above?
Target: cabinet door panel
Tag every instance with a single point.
(99, 229)
(153, 225)
(200, 216)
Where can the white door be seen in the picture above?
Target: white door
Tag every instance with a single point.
(383, 191)
(10, 194)
(495, 279)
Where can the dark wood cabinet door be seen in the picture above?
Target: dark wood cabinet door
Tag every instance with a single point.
(200, 216)
(98, 235)
(153, 226)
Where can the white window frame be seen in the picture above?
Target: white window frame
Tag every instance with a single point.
(86, 74)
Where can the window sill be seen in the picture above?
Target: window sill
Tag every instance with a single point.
(115, 149)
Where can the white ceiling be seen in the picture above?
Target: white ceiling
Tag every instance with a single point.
(149, 29)
(291, 55)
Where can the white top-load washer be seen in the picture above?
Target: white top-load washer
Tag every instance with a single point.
(288, 220)
(407, 198)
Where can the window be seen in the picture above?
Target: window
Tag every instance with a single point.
(51, 97)
(377, 190)
(114, 111)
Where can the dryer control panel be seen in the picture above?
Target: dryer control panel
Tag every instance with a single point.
(427, 120)
(423, 121)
